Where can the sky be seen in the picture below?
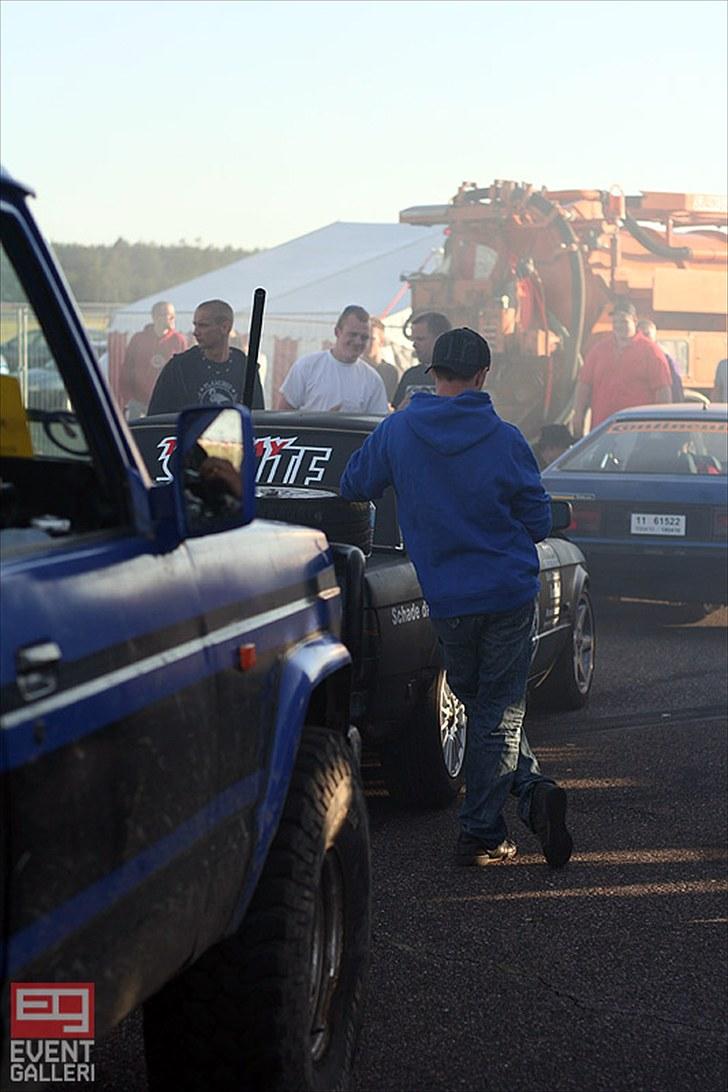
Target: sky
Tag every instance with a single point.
(249, 123)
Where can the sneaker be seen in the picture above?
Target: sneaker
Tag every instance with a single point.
(470, 851)
(548, 821)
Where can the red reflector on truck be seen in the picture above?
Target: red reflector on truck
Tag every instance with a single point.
(587, 519)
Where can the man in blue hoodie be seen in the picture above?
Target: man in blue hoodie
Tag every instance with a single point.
(471, 507)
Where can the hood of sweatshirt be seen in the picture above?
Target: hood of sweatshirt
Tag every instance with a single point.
(452, 425)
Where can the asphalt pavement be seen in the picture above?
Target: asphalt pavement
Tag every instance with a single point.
(608, 974)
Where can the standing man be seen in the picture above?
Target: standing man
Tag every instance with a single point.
(146, 354)
(387, 372)
(426, 328)
(647, 328)
(209, 374)
(337, 380)
(621, 370)
(720, 383)
(553, 441)
(471, 506)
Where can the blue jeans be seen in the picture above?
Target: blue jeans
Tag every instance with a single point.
(487, 657)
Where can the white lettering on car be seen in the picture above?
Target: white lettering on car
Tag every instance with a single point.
(284, 462)
(166, 449)
(406, 613)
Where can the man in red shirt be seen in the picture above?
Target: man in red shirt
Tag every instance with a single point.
(147, 353)
(626, 369)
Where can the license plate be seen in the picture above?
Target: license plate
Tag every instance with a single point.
(653, 523)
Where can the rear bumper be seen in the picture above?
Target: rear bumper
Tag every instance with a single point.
(677, 574)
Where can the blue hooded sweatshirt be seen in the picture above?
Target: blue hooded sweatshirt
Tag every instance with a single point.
(469, 498)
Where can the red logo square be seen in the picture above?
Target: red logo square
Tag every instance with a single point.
(52, 1010)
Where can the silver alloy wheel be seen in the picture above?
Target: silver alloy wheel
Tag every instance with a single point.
(583, 645)
(327, 949)
(453, 729)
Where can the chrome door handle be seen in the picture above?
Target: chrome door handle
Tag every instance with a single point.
(36, 670)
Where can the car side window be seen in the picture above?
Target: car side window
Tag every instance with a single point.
(49, 484)
(608, 453)
(653, 447)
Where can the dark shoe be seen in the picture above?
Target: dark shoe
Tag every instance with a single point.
(548, 820)
(469, 851)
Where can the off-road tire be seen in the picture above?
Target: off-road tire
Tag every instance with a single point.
(415, 763)
(242, 1017)
(340, 519)
(568, 684)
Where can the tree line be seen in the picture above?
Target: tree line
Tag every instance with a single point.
(126, 271)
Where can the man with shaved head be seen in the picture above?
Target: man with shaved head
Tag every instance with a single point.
(425, 328)
(210, 374)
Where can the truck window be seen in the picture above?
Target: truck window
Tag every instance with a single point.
(50, 487)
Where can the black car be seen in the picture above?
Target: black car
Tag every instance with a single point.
(400, 698)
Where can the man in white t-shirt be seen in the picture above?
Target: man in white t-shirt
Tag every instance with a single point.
(337, 380)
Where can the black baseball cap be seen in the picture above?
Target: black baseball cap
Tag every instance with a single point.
(462, 351)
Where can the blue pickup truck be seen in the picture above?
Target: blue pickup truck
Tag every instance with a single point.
(183, 822)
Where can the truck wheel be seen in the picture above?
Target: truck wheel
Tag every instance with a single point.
(278, 1005)
(341, 520)
(423, 766)
(569, 681)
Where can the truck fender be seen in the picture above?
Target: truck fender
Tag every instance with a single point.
(306, 666)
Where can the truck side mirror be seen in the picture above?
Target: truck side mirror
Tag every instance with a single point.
(214, 473)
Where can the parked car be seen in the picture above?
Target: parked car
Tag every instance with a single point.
(36, 353)
(648, 489)
(41, 378)
(401, 701)
(41, 381)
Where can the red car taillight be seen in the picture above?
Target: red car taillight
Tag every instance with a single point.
(720, 523)
(587, 519)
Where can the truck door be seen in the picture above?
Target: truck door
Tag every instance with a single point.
(107, 708)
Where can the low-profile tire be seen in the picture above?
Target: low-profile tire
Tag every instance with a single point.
(423, 765)
(340, 519)
(277, 1006)
(568, 683)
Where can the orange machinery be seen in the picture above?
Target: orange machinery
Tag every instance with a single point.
(536, 272)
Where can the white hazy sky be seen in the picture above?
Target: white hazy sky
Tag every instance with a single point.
(248, 123)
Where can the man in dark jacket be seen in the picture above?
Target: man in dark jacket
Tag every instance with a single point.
(471, 506)
(211, 373)
(425, 329)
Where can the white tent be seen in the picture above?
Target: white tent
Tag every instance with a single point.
(308, 282)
